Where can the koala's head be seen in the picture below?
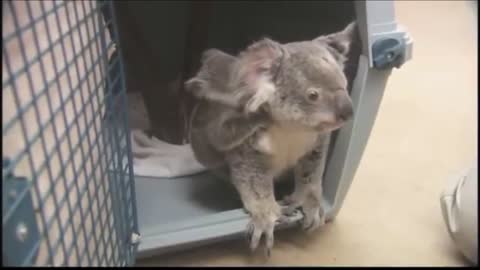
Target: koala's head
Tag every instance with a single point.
(300, 82)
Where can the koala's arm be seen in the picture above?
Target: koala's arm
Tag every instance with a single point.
(233, 100)
(254, 183)
(308, 192)
(314, 162)
(233, 129)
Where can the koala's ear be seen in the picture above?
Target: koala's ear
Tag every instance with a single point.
(206, 55)
(211, 81)
(254, 70)
(340, 42)
(258, 60)
(213, 72)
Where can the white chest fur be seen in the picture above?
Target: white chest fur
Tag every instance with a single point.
(285, 145)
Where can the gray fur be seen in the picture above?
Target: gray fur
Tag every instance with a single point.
(271, 108)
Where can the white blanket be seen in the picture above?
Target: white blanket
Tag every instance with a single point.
(155, 158)
(151, 156)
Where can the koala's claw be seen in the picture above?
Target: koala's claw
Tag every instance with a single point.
(289, 205)
(268, 252)
(283, 219)
(254, 235)
(249, 232)
(313, 213)
(289, 211)
(258, 227)
(312, 219)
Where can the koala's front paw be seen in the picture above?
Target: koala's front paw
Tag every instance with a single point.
(313, 217)
(290, 203)
(262, 222)
(310, 203)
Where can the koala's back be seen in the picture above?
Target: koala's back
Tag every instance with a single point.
(210, 136)
(201, 119)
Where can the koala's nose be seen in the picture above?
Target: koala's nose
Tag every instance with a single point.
(345, 113)
(344, 107)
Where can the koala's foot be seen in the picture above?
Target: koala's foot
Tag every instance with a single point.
(263, 223)
(313, 217)
(290, 204)
(310, 204)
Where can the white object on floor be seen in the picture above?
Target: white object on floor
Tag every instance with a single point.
(459, 209)
(155, 158)
(151, 156)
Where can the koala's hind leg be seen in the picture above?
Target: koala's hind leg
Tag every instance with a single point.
(255, 187)
(308, 192)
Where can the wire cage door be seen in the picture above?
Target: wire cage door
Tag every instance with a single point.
(67, 188)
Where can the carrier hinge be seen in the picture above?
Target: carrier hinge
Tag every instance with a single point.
(19, 227)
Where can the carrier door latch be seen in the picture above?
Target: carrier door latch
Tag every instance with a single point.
(388, 53)
(19, 227)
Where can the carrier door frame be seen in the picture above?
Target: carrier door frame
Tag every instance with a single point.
(376, 21)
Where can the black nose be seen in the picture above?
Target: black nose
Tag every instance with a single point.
(345, 113)
(344, 106)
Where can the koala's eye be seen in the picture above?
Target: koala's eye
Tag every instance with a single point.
(312, 95)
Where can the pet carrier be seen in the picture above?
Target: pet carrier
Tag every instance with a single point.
(70, 193)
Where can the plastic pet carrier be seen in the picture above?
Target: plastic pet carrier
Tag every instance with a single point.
(71, 191)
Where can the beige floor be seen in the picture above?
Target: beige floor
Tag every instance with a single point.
(426, 131)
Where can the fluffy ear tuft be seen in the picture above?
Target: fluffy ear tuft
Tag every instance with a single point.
(340, 41)
(255, 69)
(256, 62)
(262, 53)
(213, 75)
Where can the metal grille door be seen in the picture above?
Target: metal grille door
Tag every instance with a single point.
(68, 191)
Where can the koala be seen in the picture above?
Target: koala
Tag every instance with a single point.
(267, 110)
(212, 83)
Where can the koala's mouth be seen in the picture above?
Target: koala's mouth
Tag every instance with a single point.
(331, 126)
(321, 123)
